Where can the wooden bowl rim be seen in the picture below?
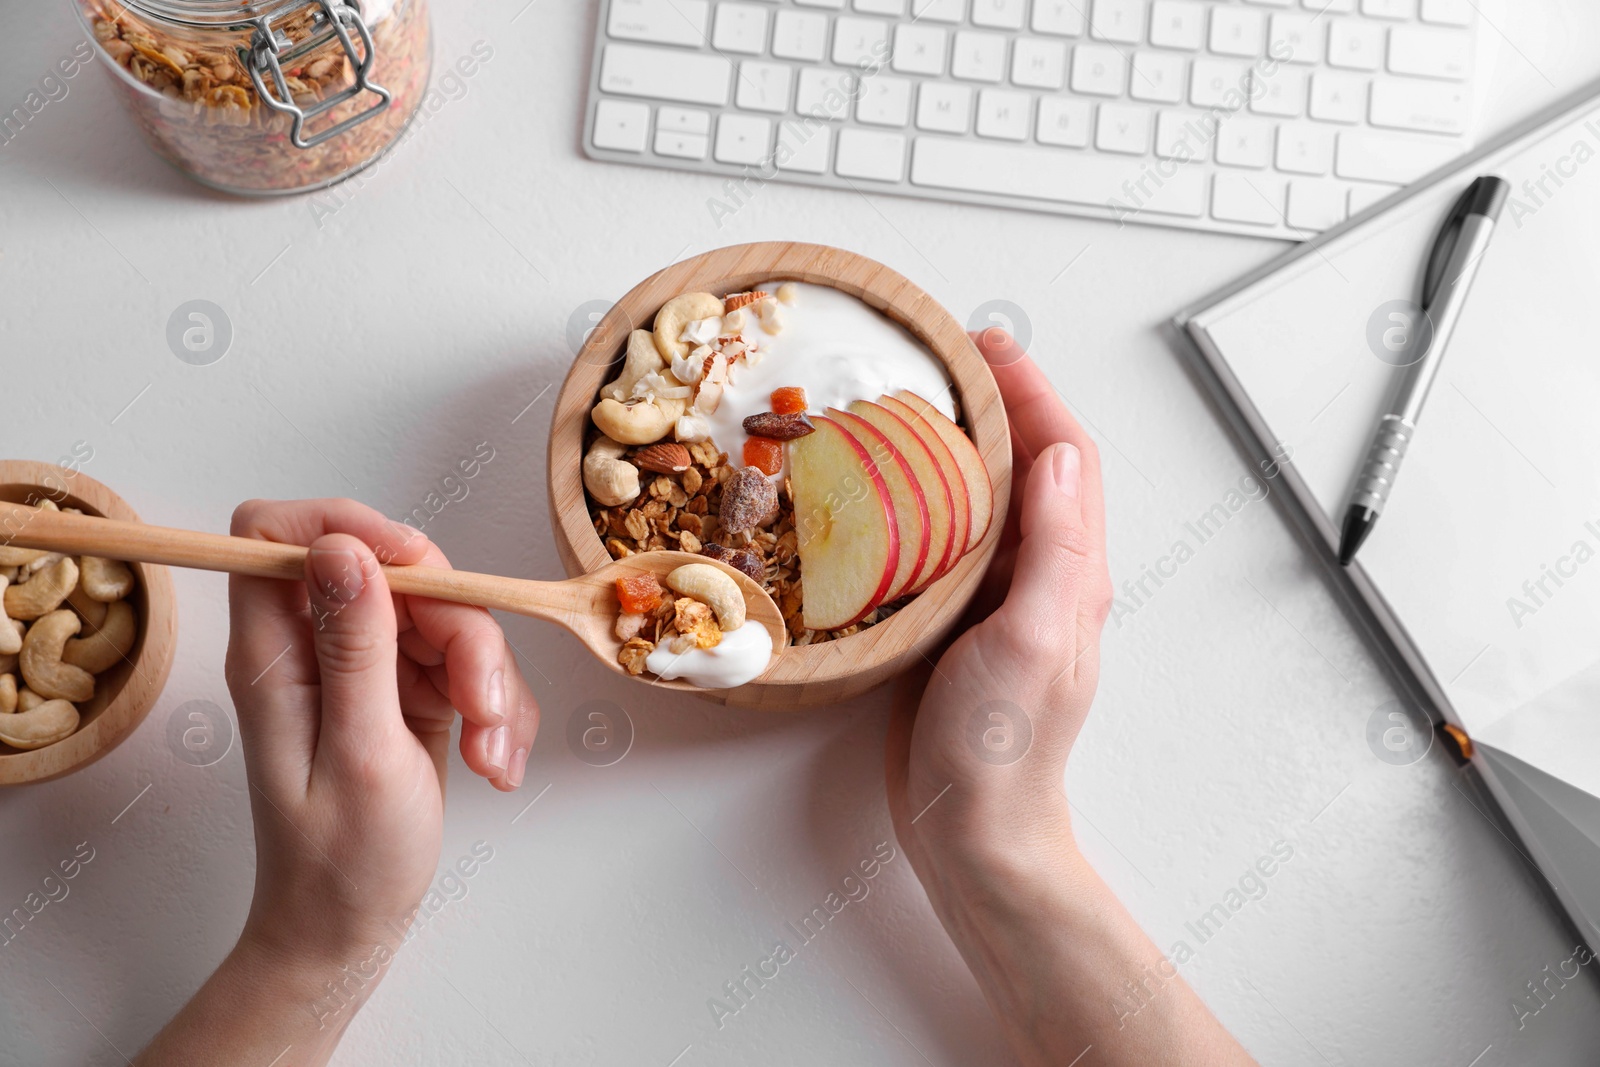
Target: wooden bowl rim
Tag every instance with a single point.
(152, 656)
(913, 629)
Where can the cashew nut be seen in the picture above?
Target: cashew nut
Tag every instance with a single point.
(11, 556)
(642, 359)
(8, 693)
(49, 722)
(105, 579)
(41, 664)
(10, 636)
(42, 593)
(710, 586)
(8, 660)
(641, 423)
(609, 480)
(92, 610)
(109, 645)
(629, 623)
(27, 699)
(677, 313)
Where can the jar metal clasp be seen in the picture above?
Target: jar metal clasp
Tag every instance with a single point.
(271, 50)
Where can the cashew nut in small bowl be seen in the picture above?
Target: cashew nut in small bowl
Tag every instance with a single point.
(642, 359)
(27, 699)
(12, 556)
(10, 636)
(91, 610)
(42, 593)
(107, 646)
(40, 659)
(679, 312)
(105, 579)
(609, 479)
(45, 724)
(715, 589)
(8, 694)
(642, 423)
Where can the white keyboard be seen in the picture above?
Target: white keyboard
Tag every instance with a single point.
(1270, 117)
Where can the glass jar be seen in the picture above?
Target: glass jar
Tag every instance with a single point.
(266, 96)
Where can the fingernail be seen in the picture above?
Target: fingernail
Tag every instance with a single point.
(499, 740)
(1066, 467)
(497, 695)
(337, 571)
(519, 763)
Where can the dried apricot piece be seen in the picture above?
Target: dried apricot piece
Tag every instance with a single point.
(790, 400)
(640, 594)
(764, 454)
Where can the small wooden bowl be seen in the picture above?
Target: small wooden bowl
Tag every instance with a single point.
(809, 674)
(124, 694)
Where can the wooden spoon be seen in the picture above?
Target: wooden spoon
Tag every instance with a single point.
(585, 606)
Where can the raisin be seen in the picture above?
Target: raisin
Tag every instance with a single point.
(740, 559)
(790, 400)
(777, 426)
(640, 594)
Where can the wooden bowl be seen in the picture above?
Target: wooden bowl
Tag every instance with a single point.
(124, 694)
(809, 674)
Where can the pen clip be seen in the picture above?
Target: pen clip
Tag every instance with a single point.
(1444, 245)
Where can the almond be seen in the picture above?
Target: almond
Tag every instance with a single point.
(735, 301)
(665, 457)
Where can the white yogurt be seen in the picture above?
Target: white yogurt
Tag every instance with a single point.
(837, 349)
(739, 657)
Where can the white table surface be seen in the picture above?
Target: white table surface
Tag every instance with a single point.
(378, 345)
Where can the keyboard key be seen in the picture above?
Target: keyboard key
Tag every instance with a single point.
(1355, 45)
(742, 139)
(1389, 9)
(1338, 97)
(659, 21)
(1250, 198)
(1299, 37)
(1328, 7)
(1184, 136)
(621, 126)
(939, 10)
(1382, 157)
(836, 5)
(1364, 196)
(919, 49)
(1158, 77)
(801, 35)
(740, 28)
(1060, 18)
(1004, 115)
(1178, 24)
(859, 41)
(1447, 12)
(1315, 205)
(1430, 53)
(825, 93)
(944, 108)
(875, 156)
(1214, 83)
(881, 7)
(1237, 31)
(1058, 177)
(1123, 129)
(681, 145)
(1244, 142)
(1039, 64)
(1118, 20)
(885, 101)
(763, 86)
(1098, 70)
(1063, 121)
(999, 14)
(979, 57)
(803, 148)
(1283, 92)
(1304, 148)
(665, 74)
(1410, 104)
(683, 120)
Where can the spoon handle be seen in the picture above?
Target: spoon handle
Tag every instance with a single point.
(26, 527)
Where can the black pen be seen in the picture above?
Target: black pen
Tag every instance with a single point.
(1452, 265)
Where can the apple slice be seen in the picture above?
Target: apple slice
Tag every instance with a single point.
(979, 490)
(845, 523)
(925, 473)
(910, 506)
(960, 498)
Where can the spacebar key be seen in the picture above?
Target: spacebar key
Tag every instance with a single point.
(665, 74)
(1125, 186)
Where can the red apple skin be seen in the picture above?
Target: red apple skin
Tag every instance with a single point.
(979, 488)
(960, 493)
(943, 548)
(892, 465)
(868, 470)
